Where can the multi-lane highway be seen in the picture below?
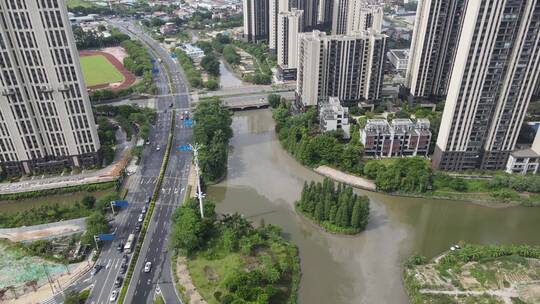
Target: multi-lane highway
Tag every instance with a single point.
(141, 186)
(155, 247)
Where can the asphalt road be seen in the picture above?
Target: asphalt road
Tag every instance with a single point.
(156, 245)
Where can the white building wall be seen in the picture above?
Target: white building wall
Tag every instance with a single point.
(45, 109)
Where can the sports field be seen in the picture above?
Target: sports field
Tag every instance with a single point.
(97, 70)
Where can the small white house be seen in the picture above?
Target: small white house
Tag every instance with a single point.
(525, 161)
(333, 116)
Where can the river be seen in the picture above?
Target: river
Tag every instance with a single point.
(226, 78)
(264, 181)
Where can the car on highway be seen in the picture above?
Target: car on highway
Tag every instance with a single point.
(147, 267)
(141, 218)
(96, 269)
(138, 227)
(123, 268)
(170, 105)
(143, 210)
(158, 148)
(125, 259)
(118, 281)
(148, 142)
(114, 295)
(148, 200)
(120, 247)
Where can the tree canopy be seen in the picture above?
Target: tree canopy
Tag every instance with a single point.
(336, 209)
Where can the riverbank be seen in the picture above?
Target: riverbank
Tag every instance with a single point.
(227, 259)
(475, 274)
(264, 181)
(369, 185)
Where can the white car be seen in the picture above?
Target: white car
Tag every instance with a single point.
(114, 295)
(147, 267)
(158, 148)
(141, 217)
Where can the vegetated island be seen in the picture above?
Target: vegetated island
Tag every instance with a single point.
(476, 274)
(337, 210)
(230, 261)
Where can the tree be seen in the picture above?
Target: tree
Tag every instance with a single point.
(88, 202)
(212, 84)
(210, 64)
(230, 55)
(96, 223)
(72, 297)
(274, 100)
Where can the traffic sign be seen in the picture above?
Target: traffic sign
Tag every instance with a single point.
(120, 203)
(184, 148)
(106, 237)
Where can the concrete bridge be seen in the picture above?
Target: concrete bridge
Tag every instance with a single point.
(245, 104)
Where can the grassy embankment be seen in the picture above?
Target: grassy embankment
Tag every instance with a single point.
(475, 274)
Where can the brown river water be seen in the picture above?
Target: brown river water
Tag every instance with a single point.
(264, 181)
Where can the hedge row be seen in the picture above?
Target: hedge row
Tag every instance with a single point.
(148, 215)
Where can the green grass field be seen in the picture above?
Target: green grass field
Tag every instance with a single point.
(98, 70)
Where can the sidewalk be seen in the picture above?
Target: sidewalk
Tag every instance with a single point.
(108, 174)
(44, 231)
(184, 279)
(342, 177)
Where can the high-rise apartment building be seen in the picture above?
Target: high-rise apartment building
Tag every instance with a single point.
(326, 8)
(495, 70)
(434, 44)
(275, 7)
(351, 16)
(311, 12)
(340, 16)
(290, 24)
(46, 121)
(256, 20)
(349, 67)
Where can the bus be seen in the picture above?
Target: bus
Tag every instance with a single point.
(130, 243)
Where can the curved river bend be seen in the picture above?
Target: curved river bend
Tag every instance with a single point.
(264, 181)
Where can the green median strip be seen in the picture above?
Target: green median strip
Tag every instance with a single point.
(149, 213)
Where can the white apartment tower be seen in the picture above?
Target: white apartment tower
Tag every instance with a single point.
(275, 7)
(46, 120)
(495, 70)
(349, 67)
(351, 16)
(290, 24)
(256, 20)
(434, 44)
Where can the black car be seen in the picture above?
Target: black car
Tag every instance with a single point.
(96, 269)
(125, 259)
(170, 105)
(118, 282)
(148, 200)
(123, 268)
(120, 247)
(138, 227)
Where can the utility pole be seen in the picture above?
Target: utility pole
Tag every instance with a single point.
(200, 194)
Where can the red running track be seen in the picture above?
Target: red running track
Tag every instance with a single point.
(129, 78)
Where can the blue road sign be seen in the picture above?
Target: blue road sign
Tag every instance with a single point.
(155, 71)
(120, 203)
(153, 60)
(188, 122)
(105, 237)
(184, 148)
